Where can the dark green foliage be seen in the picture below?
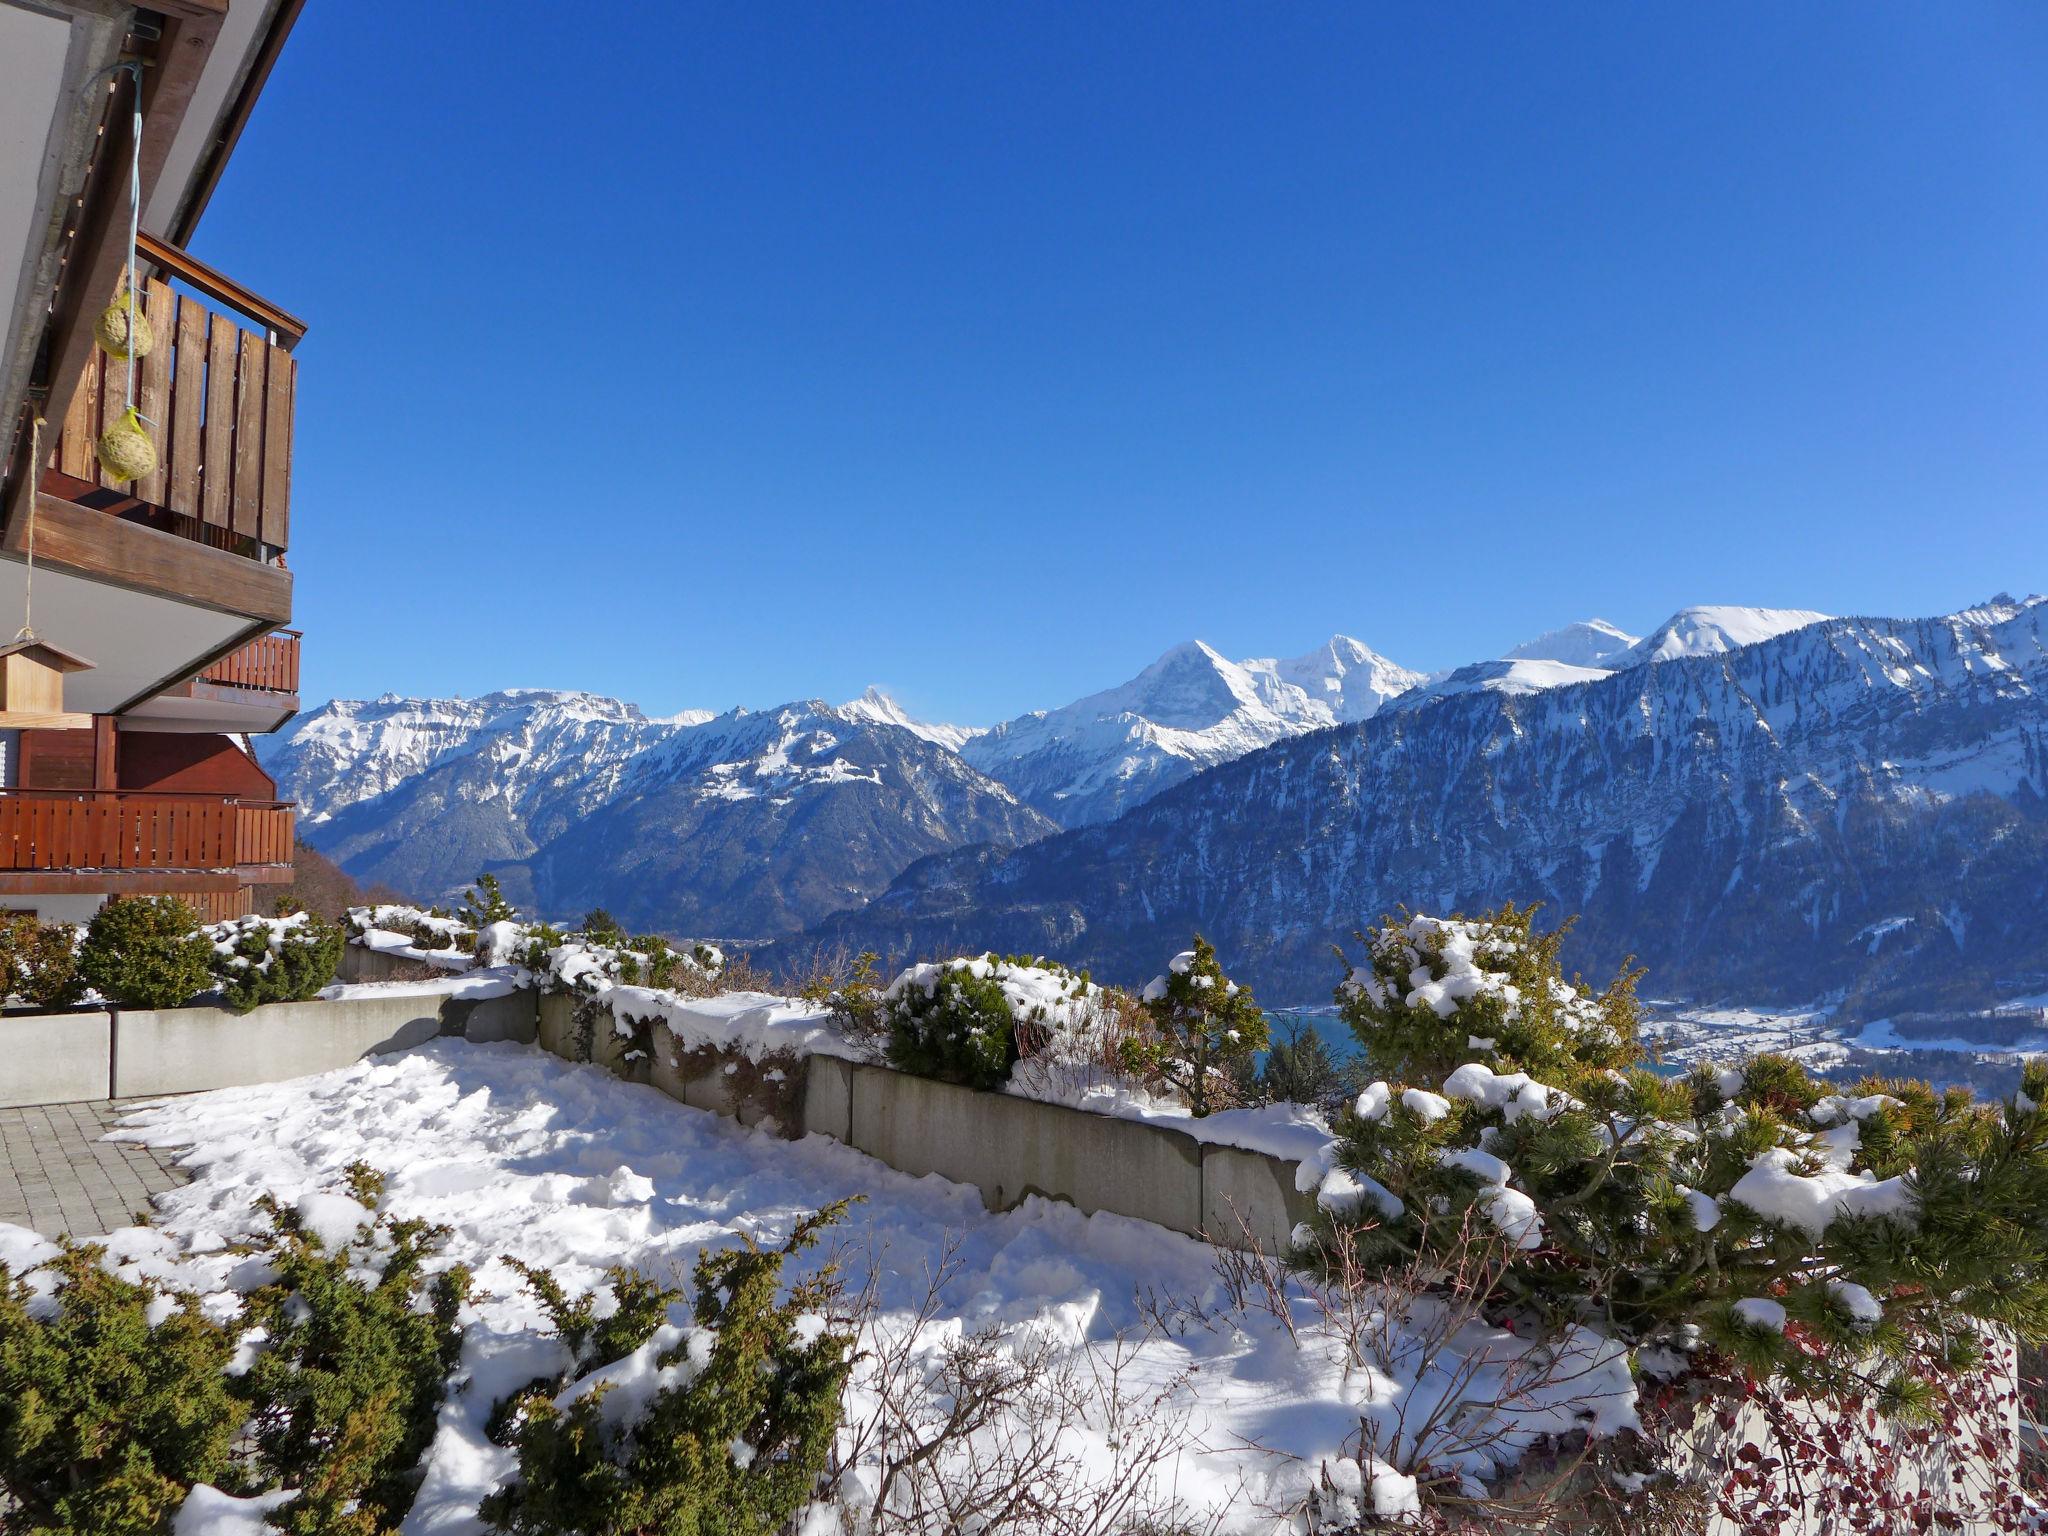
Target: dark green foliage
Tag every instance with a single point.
(1300, 1069)
(106, 1422)
(283, 966)
(960, 1031)
(348, 1387)
(147, 952)
(601, 926)
(484, 903)
(649, 960)
(1631, 1178)
(540, 938)
(756, 1383)
(39, 961)
(1543, 1033)
(1206, 1022)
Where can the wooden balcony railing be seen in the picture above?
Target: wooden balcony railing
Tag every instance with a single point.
(218, 401)
(128, 830)
(269, 663)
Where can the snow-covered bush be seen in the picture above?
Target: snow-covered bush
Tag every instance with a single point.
(113, 1399)
(260, 960)
(722, 1423)
(357, 1343)
(146, 952)
(121, 1394)
(968, 1020)
(1743, 1224)
(1206, 1024)
(432, 930)
(39, 962)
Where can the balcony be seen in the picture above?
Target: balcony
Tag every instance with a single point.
(218, 398)
(267, 664)
(105, 839)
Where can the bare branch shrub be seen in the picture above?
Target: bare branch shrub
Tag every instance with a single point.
(990, 1431)
(1476, 1421)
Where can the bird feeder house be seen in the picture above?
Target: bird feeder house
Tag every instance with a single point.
(32, 676)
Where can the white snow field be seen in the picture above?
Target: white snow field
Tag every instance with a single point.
(563, 1165)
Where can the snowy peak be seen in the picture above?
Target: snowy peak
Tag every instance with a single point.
(879, 708)
(1713, 630)
(1191, 709)
(1512, 677)
(1344, 678)
(1588, 643)
(1190, 688)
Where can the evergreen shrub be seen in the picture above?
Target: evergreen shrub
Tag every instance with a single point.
(735, 1439)
(1206, 1024)
(146, 952)
(107, 1418)
(260, 960)
(1741, 1222)
(39, 961)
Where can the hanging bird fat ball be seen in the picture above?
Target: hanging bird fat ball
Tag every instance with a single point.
(125, 451)
(122, 329)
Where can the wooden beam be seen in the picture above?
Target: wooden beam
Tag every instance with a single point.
(125, 554)
(99, 246)
(138, 882)
(195, 273)
(215, 160)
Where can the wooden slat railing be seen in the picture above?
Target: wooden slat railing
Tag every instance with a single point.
(269, 662)
(218, 401)
(55, 829)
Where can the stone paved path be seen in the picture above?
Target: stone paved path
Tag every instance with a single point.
(57, 1175)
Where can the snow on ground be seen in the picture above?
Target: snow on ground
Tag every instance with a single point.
(563, 1165)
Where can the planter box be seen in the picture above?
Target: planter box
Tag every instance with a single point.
(55, 1058)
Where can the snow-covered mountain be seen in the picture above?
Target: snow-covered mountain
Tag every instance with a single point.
(357, 749)
(1744, 820)
(1711, 630)
(877, 706)
(1588, 643)
(739, 825)
(1528, 676)
(1191, 709)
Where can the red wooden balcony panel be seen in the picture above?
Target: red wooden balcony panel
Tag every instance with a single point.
(56, 830)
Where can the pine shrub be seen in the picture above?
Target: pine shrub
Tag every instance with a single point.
(1206, 1024)
(146, 952)
(735, 1440)
(105, 1419)
(484, 903)
(348, 1386)
(39, 961)
(952, 1022)
(260, 960)
(1748, 1220)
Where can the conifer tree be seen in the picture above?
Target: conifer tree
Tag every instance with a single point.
(1206, 1022)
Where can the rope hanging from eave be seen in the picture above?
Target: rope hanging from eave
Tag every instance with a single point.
(124, 449)
(28, 580)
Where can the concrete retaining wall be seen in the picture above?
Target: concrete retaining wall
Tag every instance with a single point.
(1006, 1147)
(55, 1058)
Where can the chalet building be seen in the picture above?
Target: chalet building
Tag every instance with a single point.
(161, 605)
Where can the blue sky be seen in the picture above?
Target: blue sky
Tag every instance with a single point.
(713, 355)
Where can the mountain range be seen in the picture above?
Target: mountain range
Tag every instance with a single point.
(1849, 806)
(1734, 797)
